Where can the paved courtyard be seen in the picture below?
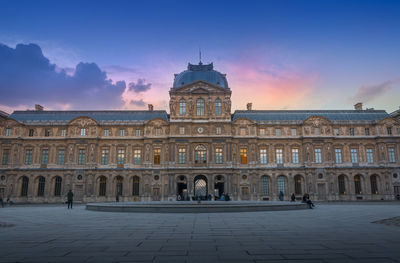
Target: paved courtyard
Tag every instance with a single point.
(329, 233)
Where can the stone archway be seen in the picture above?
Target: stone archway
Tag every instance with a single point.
(200, 187)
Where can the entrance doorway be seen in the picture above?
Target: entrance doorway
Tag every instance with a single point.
(200, 187)
(219, 187)
(181, 188)
(321, 192)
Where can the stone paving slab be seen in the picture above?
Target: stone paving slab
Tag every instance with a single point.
(329, 233)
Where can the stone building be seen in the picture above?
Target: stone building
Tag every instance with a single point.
(200, 148)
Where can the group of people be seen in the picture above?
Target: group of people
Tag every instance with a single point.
(7, 203)
(209, 197)
(306, 199)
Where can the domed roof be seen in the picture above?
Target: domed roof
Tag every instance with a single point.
(202, 72)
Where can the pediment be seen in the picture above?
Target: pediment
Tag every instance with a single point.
(243, 121)
(83, 121)
(200, 87)
(316, 121)
(389, 121)
(157, 122)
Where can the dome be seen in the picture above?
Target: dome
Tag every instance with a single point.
(202, 72)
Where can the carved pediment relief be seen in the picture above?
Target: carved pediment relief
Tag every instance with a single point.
(316, 121)
(199, 87)
(157, 122)
(83, 121)
(388, 122)
(243, 121)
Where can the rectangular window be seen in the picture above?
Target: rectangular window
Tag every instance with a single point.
(31, 132)
(122, 132)
(354, 155)
(370, 155)
(389, 130)
(181, 155)
(243, 155)
(181, 130)
(262, 131)
(351, 131)
(81, 156)
(218, 155)
(104, 156)
(295, 155)
(294, 132)
(279, 156)
(157, 156)
(218, 130)
(137, 133)
(6, 155)
(338, 155)
(28, 156)
(8, 132)
(137, 156)
(121, 156)
(158, 131)
(263, 156)
(336, 132)
(47, 132)
(63, 132)
(392, 156)
(242, 131)
(278, 132)
(318, 155)
(367, 131)
(83, 132)
(61, 157)
(200, 154)
(45, 156)
(106, 133)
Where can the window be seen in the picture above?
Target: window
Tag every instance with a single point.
(389, 130)
(137, 133)
(218, 107)
(342, 185)
(338, 155)
(45, 156)
(279, 156)
(106, 132)
(137, 156)
(121, 132)
(181, 155)
(181, 130)
(336, 132)
(83, 132)
(119, 185)
(63, 132)
(281, 184)
(81, 156)
(263, 156)
(31, 132)
(297, 185)
(243, 155)
(392, 157)
(351, 130)
(104, 156)
(61, 156)
(200, 154)
(28, 156)
(8, 132)
(367, 131)
(242, 131)
(354, 155)
(218, 155)
(318, 155)
(294, 132)
(157, 156)
(121, 156)
(6, 155)
(370, 155)
(264, 184)
(278, 132)
(102, 186)
(295, 155)
(57, 186)
(218, 130)
(135, 188)
(47, 132)
(41, 184)
(374, 185)
(357, 185)
(182, 107)
(317, 131)
(24, 186)
(200, 107)
(158, 131)
(262, 131)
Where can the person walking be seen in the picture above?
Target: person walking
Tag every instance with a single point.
(70, 198)
(281, 195)
(293, 198)
(1, 202)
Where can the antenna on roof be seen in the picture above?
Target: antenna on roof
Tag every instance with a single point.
(200, 56)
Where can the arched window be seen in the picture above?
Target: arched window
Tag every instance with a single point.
(135, 190)
(264, 181)
(297, 185)
(342, 184)
(200, 154)
(24, 186)
(182, 107)
(374, 185)
(41, 184)
(281, 184)
(119, 184)
(57, 186)
(218, 107)
(103, 186)
(357, 185)
(200, 107)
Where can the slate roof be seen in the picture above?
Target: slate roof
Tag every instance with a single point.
(298, 116)
(102, 117)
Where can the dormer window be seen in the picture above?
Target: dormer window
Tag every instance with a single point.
(8, 132)
(389, 130)
(122, 132)
(47, 132)
(31, 132)
(83, 132)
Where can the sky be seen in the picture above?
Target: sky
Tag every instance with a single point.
(108, 55)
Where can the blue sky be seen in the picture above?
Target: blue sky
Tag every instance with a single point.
(276, 54)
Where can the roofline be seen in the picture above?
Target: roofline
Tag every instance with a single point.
(312, 111)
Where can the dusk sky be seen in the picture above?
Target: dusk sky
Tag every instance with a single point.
(123, 54)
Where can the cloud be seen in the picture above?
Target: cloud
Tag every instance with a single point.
(366, 94)
(139, 86)
(116, 68)
(27, 77)
(138, 103)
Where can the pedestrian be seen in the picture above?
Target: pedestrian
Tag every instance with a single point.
(293, 198)
(117, 198)
(70, 198)
(1, 202)
(281, 195)
(310, 203)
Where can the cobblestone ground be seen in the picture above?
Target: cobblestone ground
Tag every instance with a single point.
(329, 233)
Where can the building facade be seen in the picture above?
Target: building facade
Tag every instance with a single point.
(200, 148)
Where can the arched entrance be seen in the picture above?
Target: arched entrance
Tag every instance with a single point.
(200, 187)
(219, 186)
(181, 188)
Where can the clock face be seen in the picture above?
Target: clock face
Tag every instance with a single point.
(200, 129)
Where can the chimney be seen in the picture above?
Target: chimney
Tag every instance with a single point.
(358, 106)
(150, 107)
(38, 107)
(249, 105)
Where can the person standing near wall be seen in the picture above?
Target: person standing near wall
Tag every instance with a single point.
(70, 198)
